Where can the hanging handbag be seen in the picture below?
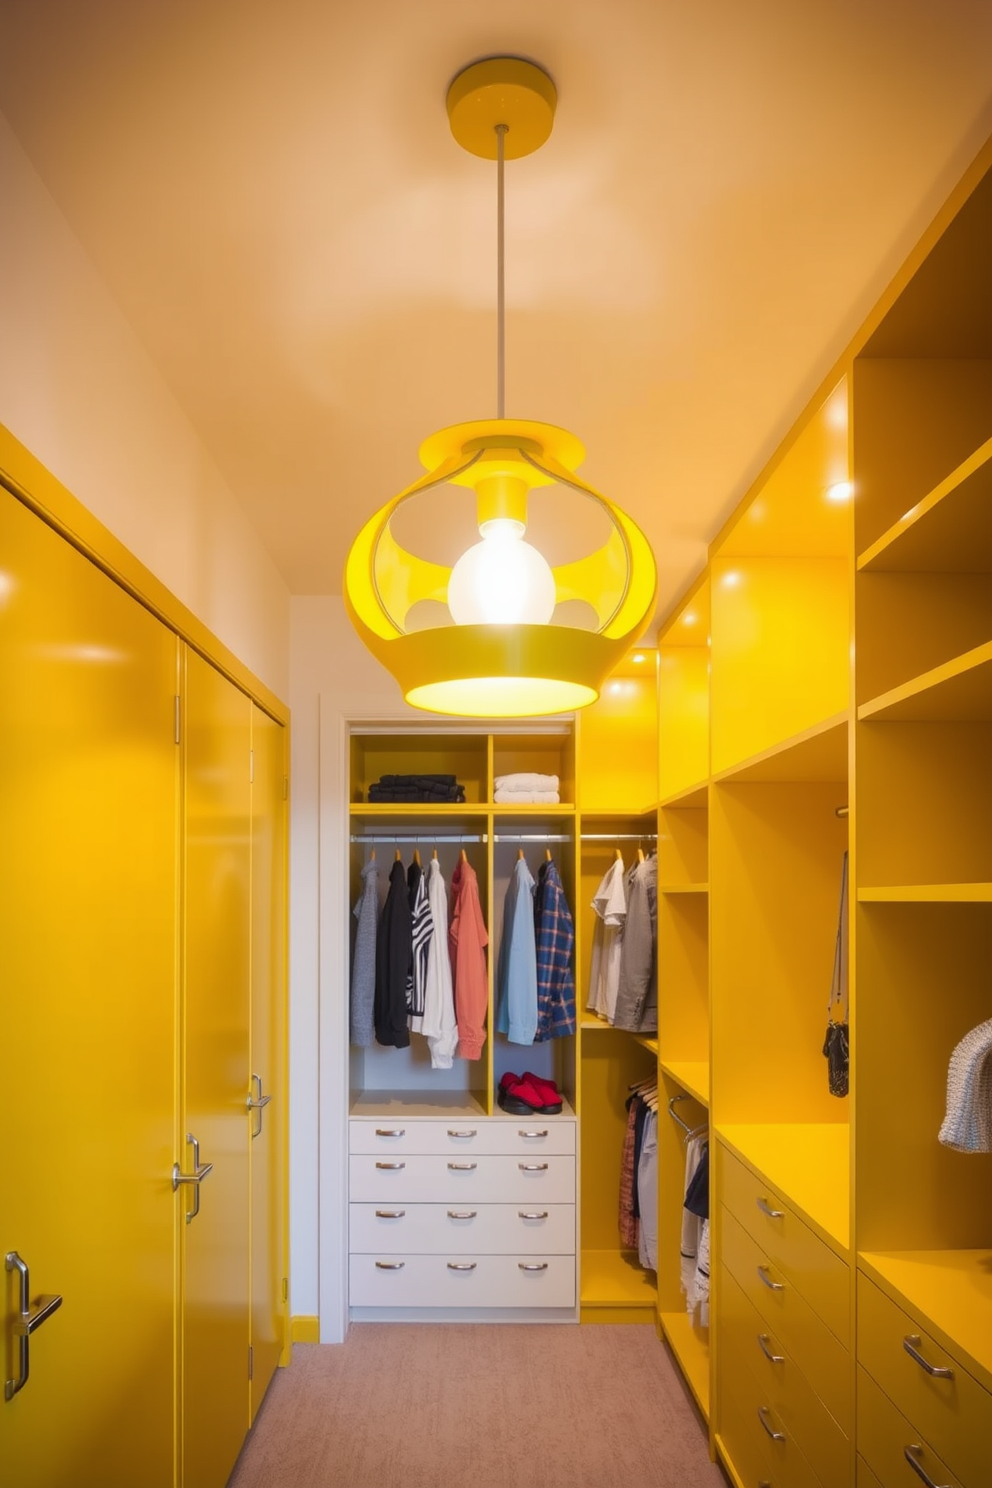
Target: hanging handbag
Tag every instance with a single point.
(837, 1044)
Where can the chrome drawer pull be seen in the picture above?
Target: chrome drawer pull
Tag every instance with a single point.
(763, 1413)
(462, 1213)
(463, 1135)
(390, 1167)
(462, 1265)
(532, 1265)
(533, 1135)
(773, 1286)
(258, 1105)
(463, 1167)
(766, 1208)
(390, 1213)
(26, 1322)
(390, 1131)
(532, 1214)
(763, 1341)
(912, 1346)
(390, 1265)
(533, 1167)
(910, 1453)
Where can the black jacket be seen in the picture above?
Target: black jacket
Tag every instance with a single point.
(393, 961)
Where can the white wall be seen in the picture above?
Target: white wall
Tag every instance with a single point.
(78, 389)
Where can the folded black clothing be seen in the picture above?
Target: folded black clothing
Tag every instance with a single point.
(418, 782)
(406, 795)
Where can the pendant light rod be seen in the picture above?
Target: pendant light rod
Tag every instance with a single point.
(500, 275)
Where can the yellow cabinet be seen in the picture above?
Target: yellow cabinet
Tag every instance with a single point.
(88, 1008)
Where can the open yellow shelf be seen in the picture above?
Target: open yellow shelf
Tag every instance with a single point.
(959, 690)
(953, 1291)
(949, 531)
(413, 810)
(692, 796)
(691, 1348)
(817, 753)
(810, 1164)
(647, 1042)
(690, 888)
(613, 1279)
(947, 893)
(694, 1078)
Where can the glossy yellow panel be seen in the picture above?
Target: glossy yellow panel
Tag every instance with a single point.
(216, 1336)
(269, 1262)
(683, 717)
(619, 742)
(683, 977)
(952, 1291)
(88, 977)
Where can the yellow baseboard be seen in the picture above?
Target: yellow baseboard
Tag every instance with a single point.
(304, 1329)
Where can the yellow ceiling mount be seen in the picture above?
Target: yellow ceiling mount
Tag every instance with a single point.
(502, 90)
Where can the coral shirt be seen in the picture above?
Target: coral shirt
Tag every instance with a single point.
(467, 940)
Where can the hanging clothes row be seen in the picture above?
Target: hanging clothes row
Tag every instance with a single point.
(694, 1249)
(638, 1209)
(534, 979)
(420, 965)
(623, 979)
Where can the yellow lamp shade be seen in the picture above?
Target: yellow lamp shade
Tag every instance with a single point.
(463, 632)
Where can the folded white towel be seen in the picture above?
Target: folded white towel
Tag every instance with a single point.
(526, 781)
(967, 1127)
(526, 798)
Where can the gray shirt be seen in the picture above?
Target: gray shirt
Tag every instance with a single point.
(363, 962)
(637, 996)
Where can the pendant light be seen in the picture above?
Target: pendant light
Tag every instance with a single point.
(506, 634)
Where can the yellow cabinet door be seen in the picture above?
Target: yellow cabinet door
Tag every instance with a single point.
(268, 1049)
(217, 907)
(88, 1012)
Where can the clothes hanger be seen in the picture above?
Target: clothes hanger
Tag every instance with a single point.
(520, 853)
(372, 855)
(640, 854)
(547, 854)
(464, 856)
(399, 856)
(619, 856)
(416, 856)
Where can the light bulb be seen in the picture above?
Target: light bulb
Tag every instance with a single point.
(501, 580)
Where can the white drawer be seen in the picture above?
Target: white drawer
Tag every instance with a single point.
(465, 1181)
(494, 1229)
(462, 1281)
(499, 1135)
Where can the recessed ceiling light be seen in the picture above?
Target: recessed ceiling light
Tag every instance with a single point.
(840, 491)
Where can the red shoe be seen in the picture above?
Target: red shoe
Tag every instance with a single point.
(547, 1088)
(522, 1098)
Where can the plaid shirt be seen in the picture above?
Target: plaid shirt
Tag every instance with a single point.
(555, 936)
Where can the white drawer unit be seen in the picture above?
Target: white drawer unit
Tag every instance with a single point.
(453, 1280)
(462, 1213)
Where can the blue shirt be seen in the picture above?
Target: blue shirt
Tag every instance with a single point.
(516, 972)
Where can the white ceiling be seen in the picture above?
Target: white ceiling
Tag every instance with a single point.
(271, 192)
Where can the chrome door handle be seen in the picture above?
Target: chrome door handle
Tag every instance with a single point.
(258, 1104)
(773, 1286)
(763, 1414)
(462, 1265)
(463, 1167)
(533, 1167)
(910, 1453)
(532, 1265)
(533, 1135)
(532, 1213)
(200, 1171)
(26, 1322)
(763, 1342)
(766, 1208)
(912, 1346)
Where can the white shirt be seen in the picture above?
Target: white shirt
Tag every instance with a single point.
(610, 904)
(439, 1024)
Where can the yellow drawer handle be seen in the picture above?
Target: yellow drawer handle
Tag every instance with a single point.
(463, 1167)
(533, 1135)
(390, 1167)
(766, 1208)
(763, 1414)
(390, 1265)
(462, 1265)
(462, 1135)
(773, 1286)
(462, 1213)
(764, 1340)
(532, 1265)
(912, 1346)
(390, 1131)
(533, 1167)
(911, 1453)
(532, 1214)
(390, 1213)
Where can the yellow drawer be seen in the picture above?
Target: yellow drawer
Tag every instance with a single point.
(745, 1342)
(866, 1478)
(812, 1267)
(818, 1353)
(953, 1413)
(753, 1429)
(885, 1437)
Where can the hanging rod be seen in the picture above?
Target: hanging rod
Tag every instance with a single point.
(532, 837)
(841, 810)
(419, 837)
(619, 836)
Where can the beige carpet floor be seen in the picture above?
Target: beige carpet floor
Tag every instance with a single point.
(474, 1406)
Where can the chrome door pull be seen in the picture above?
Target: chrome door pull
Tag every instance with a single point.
(532, 1213)
(532, 1265)
(911, 1453)
(463, 1135)
(463, 1167)
(390, 1213)
(912, 1346)
(462, 1213)
(390, 1265)
(390, 1131)
(763, 1414)
(26, 1322)
(763, 1341)
(533, 1135)
(390, 1167)
(258, 1104)
(773, 1286)
(766, 1208)
(533, 1167)
(200, 1171)
(462, 1265)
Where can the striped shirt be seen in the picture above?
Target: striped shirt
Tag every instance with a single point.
(423, 930)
